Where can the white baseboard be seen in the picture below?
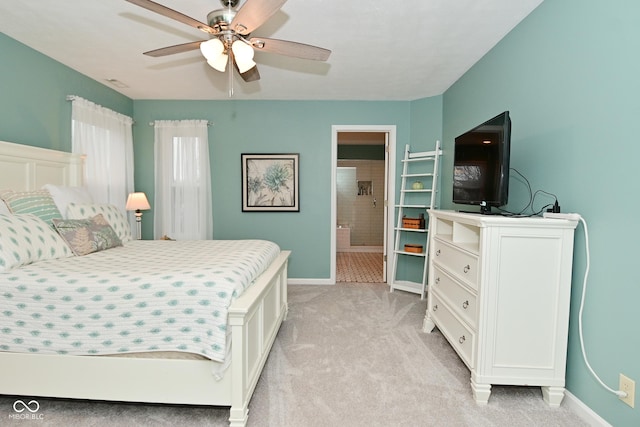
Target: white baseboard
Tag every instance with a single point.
(583, 411)
(310, 282)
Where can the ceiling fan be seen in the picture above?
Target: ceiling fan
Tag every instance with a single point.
(230, 41)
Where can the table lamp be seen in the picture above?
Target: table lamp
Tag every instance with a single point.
(138, 202)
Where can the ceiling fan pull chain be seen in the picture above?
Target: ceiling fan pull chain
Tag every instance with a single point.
(230, 76)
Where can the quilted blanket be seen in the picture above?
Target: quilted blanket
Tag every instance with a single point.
(143, 296)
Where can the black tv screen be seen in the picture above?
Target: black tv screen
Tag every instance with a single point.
(481, 164)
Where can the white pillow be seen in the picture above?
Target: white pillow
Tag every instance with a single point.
(63, 195)
(25, 238)
(114, 216)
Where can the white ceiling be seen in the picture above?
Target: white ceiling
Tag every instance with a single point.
(381, 50)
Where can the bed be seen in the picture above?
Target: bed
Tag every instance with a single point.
(125, 364)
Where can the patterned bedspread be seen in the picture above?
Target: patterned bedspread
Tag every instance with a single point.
(144, 296)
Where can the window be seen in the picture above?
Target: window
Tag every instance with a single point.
(106, 139)
(182, 180)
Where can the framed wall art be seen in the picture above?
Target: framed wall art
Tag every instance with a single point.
(270, 183)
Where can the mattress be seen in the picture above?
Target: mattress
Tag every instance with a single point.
(146, 296)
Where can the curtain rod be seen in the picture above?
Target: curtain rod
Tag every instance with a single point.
(86, 101)
(76, 97)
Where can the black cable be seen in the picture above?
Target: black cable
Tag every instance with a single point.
(542, 209)
(504, 212)
(529, 187)
(546, 206)
(530, 204)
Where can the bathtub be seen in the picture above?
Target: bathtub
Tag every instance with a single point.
(343, 237)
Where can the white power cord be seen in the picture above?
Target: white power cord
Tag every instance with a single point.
(618, 393)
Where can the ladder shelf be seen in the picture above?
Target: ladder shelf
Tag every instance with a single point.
(415, 200)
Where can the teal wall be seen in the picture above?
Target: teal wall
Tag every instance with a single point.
(33, 105)
(570, 76)
(426, 129)
(269, 127)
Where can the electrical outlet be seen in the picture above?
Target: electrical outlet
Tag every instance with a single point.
(628, 386)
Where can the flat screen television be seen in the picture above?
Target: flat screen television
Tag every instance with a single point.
(481, 164)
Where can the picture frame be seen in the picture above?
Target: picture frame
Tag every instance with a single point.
(270, 182)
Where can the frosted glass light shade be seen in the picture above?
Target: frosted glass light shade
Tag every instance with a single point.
(219, 63)
(211, 49)
(243, 54)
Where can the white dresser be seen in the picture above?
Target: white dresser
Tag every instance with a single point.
(499, 291)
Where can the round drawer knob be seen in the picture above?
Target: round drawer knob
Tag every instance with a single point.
(466, 268)
(465, 304)
(435, 307)
(462, 339)
(437, 280)
(438, 252)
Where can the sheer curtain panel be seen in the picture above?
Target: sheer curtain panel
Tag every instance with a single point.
(182, 180)
(106, 139)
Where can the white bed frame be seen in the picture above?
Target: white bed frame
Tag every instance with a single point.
(254, 318)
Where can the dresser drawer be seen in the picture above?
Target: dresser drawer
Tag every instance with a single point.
(461, 300)
(459, 263)
(459, 336)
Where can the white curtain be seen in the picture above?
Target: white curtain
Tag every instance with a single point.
(182, 180)
(106, 138)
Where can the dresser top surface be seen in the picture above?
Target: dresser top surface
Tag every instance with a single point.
(483, 220)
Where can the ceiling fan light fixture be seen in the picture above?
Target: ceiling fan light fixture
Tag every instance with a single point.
(243, 54)
(219, 63)
(230, 40)
(212, 49)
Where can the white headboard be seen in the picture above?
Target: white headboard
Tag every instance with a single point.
(23, 167)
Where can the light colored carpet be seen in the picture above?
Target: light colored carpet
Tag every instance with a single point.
(347, 356)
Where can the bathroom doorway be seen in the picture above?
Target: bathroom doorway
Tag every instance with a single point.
(361, 175)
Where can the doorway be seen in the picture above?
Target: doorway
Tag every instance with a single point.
(363, 171)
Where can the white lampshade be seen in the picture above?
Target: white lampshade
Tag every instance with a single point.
(137, 202)
(211, 49)
(243, 54)
(219, 63)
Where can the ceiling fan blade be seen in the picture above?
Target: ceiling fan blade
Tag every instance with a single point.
(295, 49)
(173, 14)
(170, 50)
(253, 14)
(251, 75)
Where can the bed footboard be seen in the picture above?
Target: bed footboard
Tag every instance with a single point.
(255, 319)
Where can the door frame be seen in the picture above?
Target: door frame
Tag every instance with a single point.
(389, 196)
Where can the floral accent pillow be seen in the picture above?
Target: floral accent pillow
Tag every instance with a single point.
(85, 236)
(25, 238)
(111, 213)
(37, 202)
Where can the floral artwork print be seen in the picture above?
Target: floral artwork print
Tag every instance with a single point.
(270, 182)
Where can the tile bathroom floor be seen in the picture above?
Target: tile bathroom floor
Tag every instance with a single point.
(359, 267)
